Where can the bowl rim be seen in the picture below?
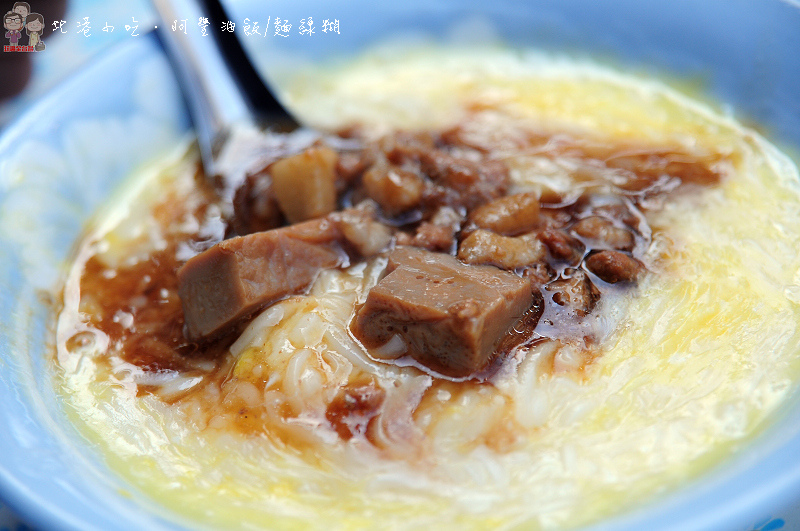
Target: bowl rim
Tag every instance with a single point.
(69, 509)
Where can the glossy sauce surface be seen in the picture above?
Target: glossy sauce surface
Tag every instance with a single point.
(617, 379)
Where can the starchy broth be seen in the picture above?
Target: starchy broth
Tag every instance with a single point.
(291, 421)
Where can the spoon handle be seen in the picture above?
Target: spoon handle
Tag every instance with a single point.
(220, 84)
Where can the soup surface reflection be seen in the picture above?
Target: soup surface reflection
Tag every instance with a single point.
(503, 289)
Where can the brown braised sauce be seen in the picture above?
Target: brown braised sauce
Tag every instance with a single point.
(432, 190)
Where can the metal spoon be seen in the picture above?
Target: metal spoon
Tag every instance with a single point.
(222, 88)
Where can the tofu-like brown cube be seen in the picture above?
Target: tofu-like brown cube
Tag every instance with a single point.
(234, 278)
(449, 315)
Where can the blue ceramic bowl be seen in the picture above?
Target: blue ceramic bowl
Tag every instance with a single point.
(65, 156)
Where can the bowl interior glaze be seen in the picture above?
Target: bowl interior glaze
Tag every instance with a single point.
(61, 160)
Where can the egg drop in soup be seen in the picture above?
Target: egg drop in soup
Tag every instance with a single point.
(498, 289)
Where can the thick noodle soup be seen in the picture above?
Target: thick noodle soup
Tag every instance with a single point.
(500, 290)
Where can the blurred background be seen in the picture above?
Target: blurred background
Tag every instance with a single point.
(70, 44)
(76, 37)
